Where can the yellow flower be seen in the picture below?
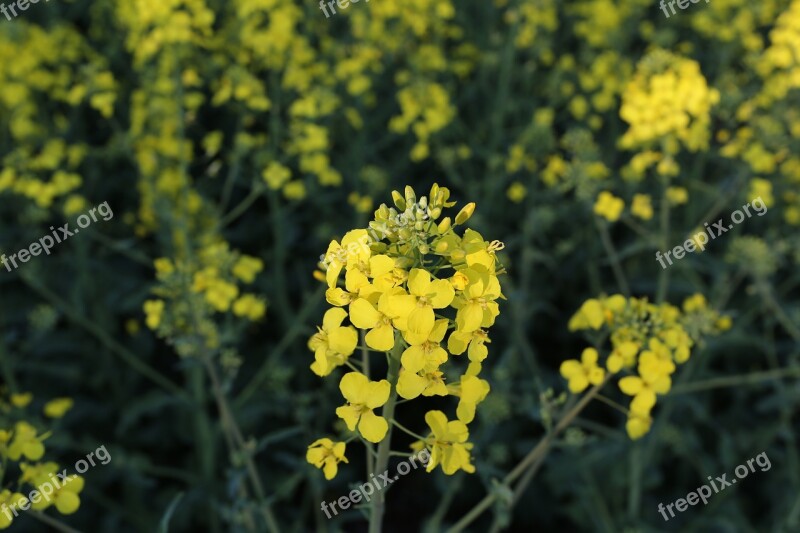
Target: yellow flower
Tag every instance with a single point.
(609, 206)
(624, 355)
(362, 397)
(153, 309)
(449, 444)
(476, 303)
(65, 498)
(653, 379)
(250, 306)
(21, 400)
(582, 373)
(641, 207)
(474, 342)
(12, 501)
(590, 315)
(220, 294)
(425, 351)
(276, 175)
(638, 425)
(378, 320)
(424, 296)
(472, 391)
(247, 267)
(333, 343)
(516, 192)
(677, 195)
(326, 454)
(427, 382)
(25, 442)
(58, 407)
(353, 250)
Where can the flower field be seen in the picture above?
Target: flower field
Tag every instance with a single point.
(384, 266)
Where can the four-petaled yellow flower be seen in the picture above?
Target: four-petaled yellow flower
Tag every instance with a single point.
(654, 378)
(424, 296)
(448, 443)
(333, 343)
(609, 206)
(476, 303)
(362, 397)
(582, 373)
(326, 454)
(425, 350)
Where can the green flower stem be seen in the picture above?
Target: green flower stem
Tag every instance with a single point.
(754, 378)
(230, 426)
(403, 428)
(378, 504)
(531, 461)
(52, 522)
(663, 276)
(613, 256)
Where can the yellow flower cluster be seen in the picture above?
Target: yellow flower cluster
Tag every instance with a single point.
(667, 103)
(40, 165)
(196, 290)
(396, 295)
(647, 340)
(21, 451)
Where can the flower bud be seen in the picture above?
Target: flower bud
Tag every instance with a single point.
(399, 201)
(444, 225)
(465, 213)
(411, 197)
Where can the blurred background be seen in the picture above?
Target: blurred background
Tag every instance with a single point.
(233, 140)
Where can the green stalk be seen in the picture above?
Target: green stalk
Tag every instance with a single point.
(378, 504)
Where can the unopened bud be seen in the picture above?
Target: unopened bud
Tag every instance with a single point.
(444, 225)
(411, 197)
(399, 201)
(465, 213)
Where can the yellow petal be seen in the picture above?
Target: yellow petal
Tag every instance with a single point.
(377, 393)
(363, 314)
(333, 318)
(419, 282)
(330, 469)
(349, 414)
(421, 321)
(437, 421)
(354, 387)
(469, 317)
(458, 341)
(413, 359)
(381, 338)
(631, 385)
(373, 427)
(443, 293)
(67, 502)
(410, 385)
(343, 340)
